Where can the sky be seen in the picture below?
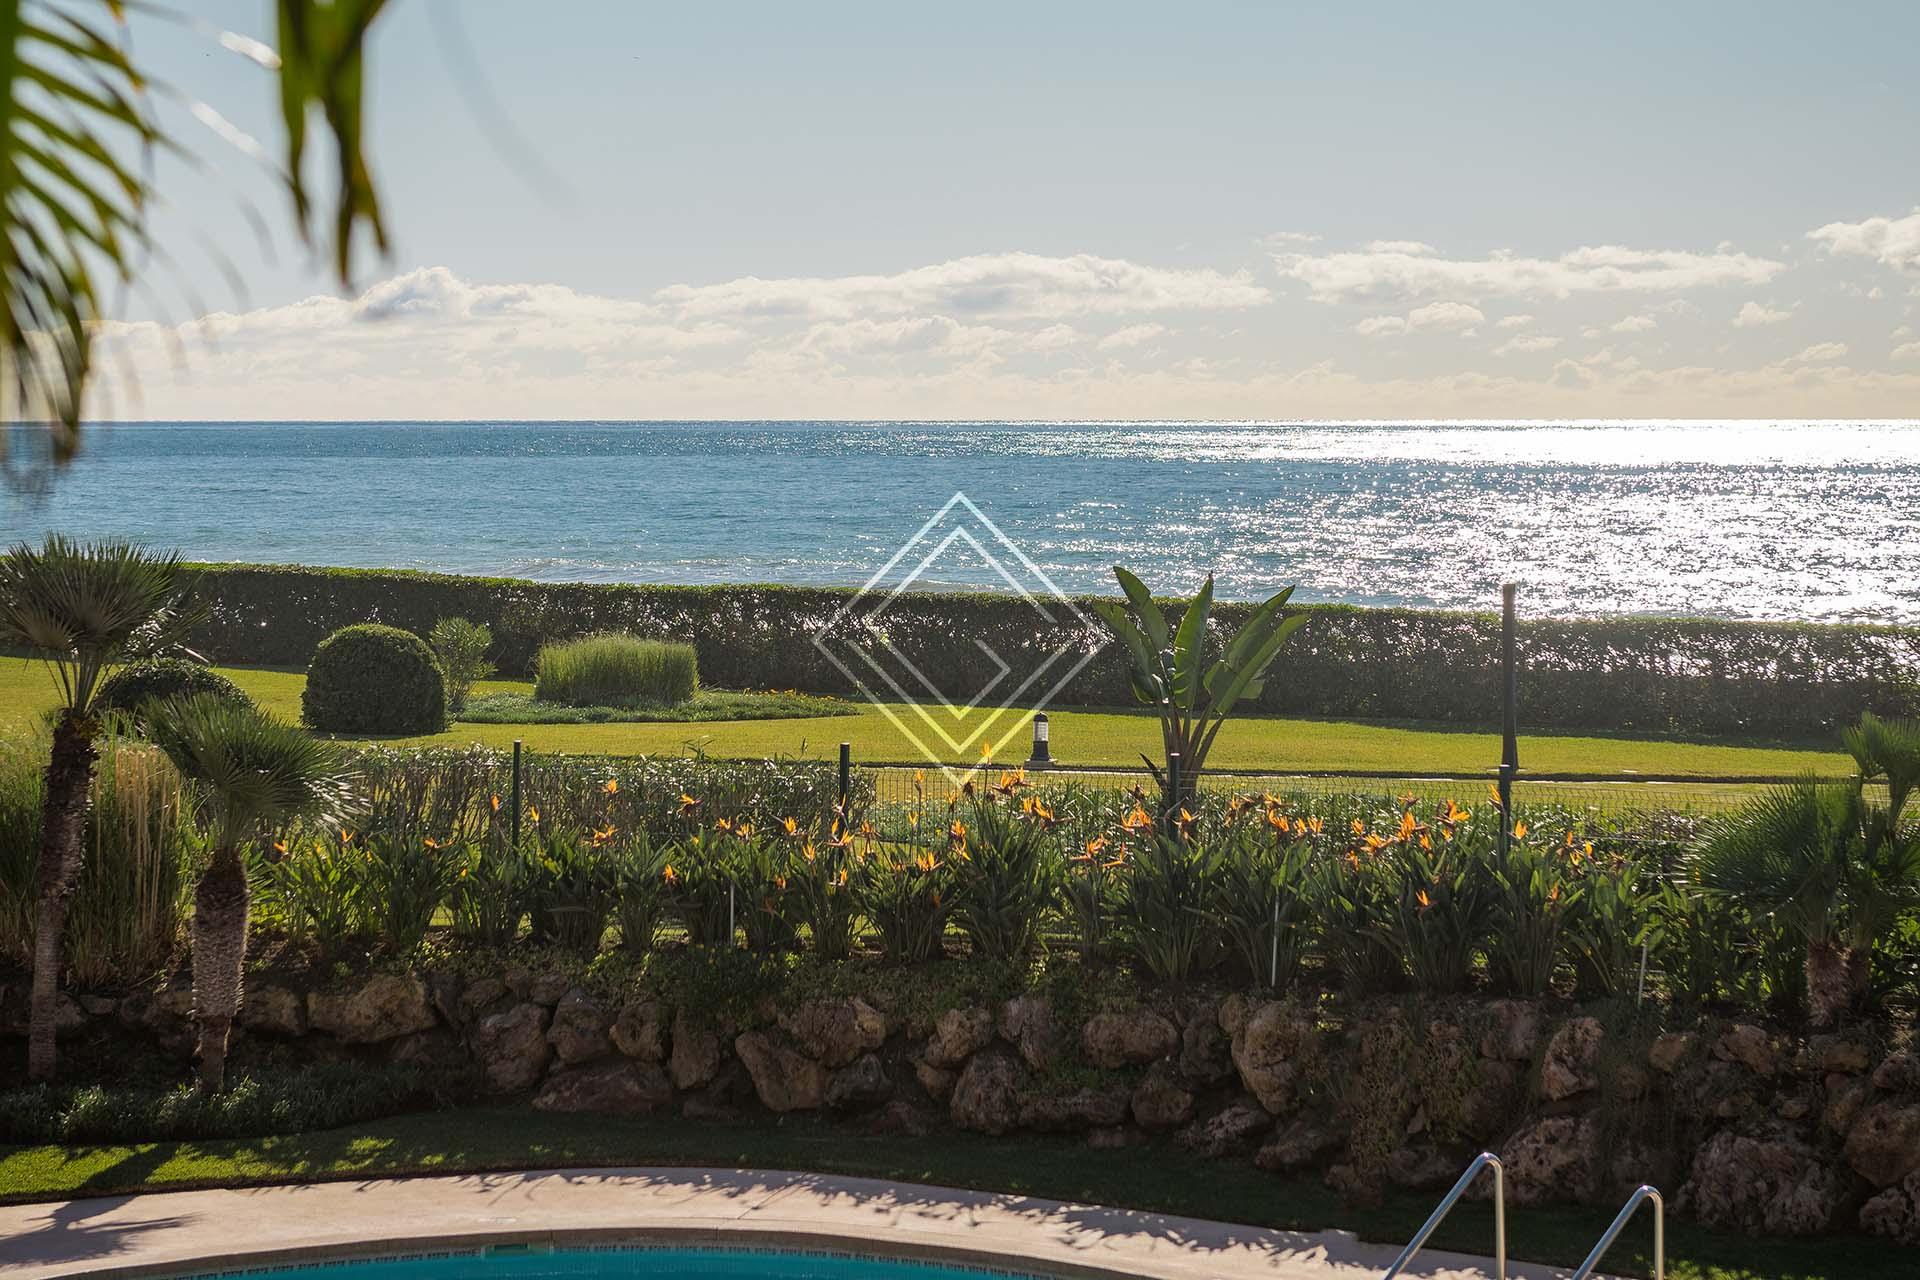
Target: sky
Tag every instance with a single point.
(608, 210)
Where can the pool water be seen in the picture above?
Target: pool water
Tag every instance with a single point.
(516, 1262)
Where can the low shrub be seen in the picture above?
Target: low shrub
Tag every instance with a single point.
(298, 1101)
(161, 678)
(375, 679)
(461, 646)
(613, 669)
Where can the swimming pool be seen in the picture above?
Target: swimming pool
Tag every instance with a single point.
(657, 1262)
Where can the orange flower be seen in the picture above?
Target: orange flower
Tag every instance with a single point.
(1359, 827)
(1519, 831)
(687, 805)
(1138, 820)
(603, 835)
(612, 786)
(280, 847)
(1420, 896)
(789, 826)
(1314, 825)
(430, 842)
(533, 813)
(1493, 794)
(669, 875)
(496, 801)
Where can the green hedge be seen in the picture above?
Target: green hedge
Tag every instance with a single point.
(1687, 675)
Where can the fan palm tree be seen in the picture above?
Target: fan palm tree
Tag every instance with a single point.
(1174, 672)
(1829, 862)
(76, 129)
(251, 773)
(84, 607)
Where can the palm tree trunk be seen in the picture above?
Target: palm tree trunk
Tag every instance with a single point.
(1829, 984)
(62, 828)
(220, 906)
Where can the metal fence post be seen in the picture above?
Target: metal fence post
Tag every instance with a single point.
(1174, 780)
(513, 802)
(846, 777)
(1510, 717)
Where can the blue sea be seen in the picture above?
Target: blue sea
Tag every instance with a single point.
(1808, 520)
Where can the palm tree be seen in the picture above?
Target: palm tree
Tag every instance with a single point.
(77, 132)
(252, 773)
(84, 607)
(1829, 862)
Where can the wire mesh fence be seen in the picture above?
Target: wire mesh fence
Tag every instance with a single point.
(898, 789)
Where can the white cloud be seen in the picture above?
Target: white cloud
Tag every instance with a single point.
(1388, 271)
(1633, 324)
(1005, 284)
(1513, 322)
(1273, 239)
(429, 344)
(1526, 342)
(1415, 247)
(1131, 336)
(1445, 317)
(1752, 315)
(1438, 317)
(1904, 331)
(1893, 242)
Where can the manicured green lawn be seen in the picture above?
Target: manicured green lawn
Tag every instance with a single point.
(1158, 1178)
(1079, 737)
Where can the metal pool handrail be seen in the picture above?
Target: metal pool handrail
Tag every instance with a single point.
(1643, 1193)
(1485, 1160)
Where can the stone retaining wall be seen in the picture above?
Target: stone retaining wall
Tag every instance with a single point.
(1754, 1129)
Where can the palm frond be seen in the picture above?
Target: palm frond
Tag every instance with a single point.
(252, 769)
(77, 134)
(85, 606)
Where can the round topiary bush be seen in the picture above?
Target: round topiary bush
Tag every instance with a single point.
(375, 679)
(161, 678)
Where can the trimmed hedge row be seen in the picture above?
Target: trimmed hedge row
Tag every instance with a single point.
(1684, 675)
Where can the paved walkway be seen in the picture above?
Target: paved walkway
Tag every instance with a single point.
(186, 1230)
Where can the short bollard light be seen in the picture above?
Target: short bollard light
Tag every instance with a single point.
(1040, 758)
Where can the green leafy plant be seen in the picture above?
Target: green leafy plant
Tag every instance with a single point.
(1172, 670)
(461, 647)
(1006, 868)
(1609, 931)
(407, 880)
(1535, 890)
(640, 892)
(1830, 864)
(906, 893)
(1264, 903)
(370, 678)
(312, 885)
(1169, 883)
(614, 670)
